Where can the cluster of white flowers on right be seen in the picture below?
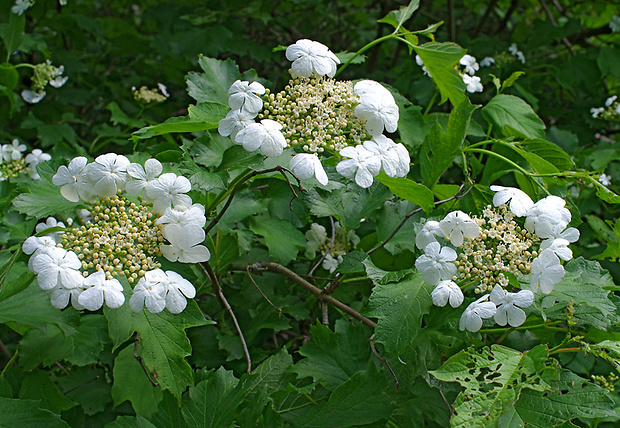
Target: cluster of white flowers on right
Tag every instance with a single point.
(121, 238)
(611, 110)
(319, 115)
(488, 253)
(44, 74)
(13, 163)
(317, 241)
(514, 51)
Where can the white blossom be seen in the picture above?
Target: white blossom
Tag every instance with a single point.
(49, 223)
(33, 159)
(546, 271)
(185, 244)
(32, 97)
(331, 263)
(487, 61)
(310, 57)
(548, 210)
(20, 6)
(458, 225)
(436, 263)
(475, 312)
(13, 151)
(520, 202)
(184, 216)
(418, 61)
(447, 291)
(57, 266)
(472, 83)
(179, 290)
(609, 101)
(61, 296)
(150, 291)
(558, 240)
(315, 237)
(509, 305)
(428, 234)
(308, 165)
(362, 163)
(394, 157)
(234, 122)
(471, 66)
(169, 189)
(244, 96)
(379, 110)
(108, 173)
(614, 24)
(74, 180)
(266, 135)
(99, 289)
(143, 176)
(605, 179)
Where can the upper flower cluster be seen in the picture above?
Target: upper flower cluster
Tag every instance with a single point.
(470, 67)
(12, 162)
(494, 248)
(611, 110)
(44, 74)
(121, 238)
(319, 115)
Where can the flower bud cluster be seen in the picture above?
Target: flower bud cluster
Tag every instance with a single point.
(145, 95)
(611, 110)
(13, 164)
(122, 238)
(492, 249)
(318, 241)
(44, 74)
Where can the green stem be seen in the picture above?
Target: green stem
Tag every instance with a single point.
(25, 64)
(430, 104)
(364, 49)
(224, 193)
(524, 327)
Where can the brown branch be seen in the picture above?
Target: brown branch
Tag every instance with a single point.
(277, 268)
(216, 284)
(139, 359)
(261, 292)
(511, 9)
(417, 210)
(371, 341)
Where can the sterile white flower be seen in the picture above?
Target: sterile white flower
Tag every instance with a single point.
(185, 244)
(109, 174)
(179, 290)
(163, 89)
(169, 189)
(457, 225)
(184, 216)
(244, 96)
(447, 291)
(473, 83)
(609, 101)
(509, 305)
(379, 110)
(57, 266)
(428, 234)
(520, 202)
(51, 222)
(310, 57)
(315, 237)
(436, 263)
(487, 61)
(550, 210)
(605, 179)
(98, 289)
(418, 61)
(60, 297)
(33, 159)
(150, 291)
(394, 157)
(369, 87)
(475, 312)
(234, 122)
(36, 245)
(58, 81)
(546, 271)
(471, 66)
(308, 165)
(362, 163)
(144, 176)
(596, 111)
(331, 263)
(74, 180)
(265, 134)
(13, 151)
(20, 6)
(558, 240)
(33, 97)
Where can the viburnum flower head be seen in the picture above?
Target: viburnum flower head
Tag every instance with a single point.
(428, 234)
(108, 173)
(99, 289)
(57, 266)
(266, 135)
(437, 263)
(143, 176)
(310, 57)
(471, 66)
(74, 180)
(244, 96)
(447, 291)
(308, 165)
(546, 271)
(362, 163)
(472, 317)
(169, 189)
(185, 244)
(377, 107)
(509, 305)
(234, 122)
(458, 225)
(520, 202)
(394, 157)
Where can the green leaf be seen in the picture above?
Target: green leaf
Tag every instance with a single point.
(380, 276)
(131, 383)
(8, 79)
(513, 117)
(440, 59)
(119, 116)
(550, 152)
(213, 402)
(409, 190)
(168, 413)
(493, 379)
(440, 148)
(37, 385)
(570, 397)
(13, 34)
(131, 422)
(397, 18)
(163, 342)
(399, 308)
(27, 414)
(332, 358)
(44, 198)
(281, 238)
(214, 83)
(201, 117)
(511, 80)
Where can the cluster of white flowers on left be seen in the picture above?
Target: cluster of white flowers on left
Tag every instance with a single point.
(493, 250)
(13, 163)
(317, 241)
(611, 110)
(44, 74)
(137, 214)
(319, 114)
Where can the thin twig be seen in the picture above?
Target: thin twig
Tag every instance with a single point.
(484, 18)
(417, 210)
(447, 403)
(218, 290)
(261, 292)
(325, 312)
(329, 248)
(374, 351)
(511, 9)
(277, 268)
(82, 385)
(555, 24)
(139, 359)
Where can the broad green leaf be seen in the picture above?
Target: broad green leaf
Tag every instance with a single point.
(352, 262)
(213, 402)
(208, 150)
(537, 163)
(388, 219)
(550, 152)
(513, 117)
(570, 397)
(37, 385)
(399, 308)
(131, 383)
(130, 422)
(333, 357)
(201, 117)
(612, 236)
(119, 116)
(27, 414)
(9, 284)
(397, 18)
(163, 342)
(8, 79)
(13, 34)
(440, 59)
(44, 198)
(493, 378)
(213, 84)
(440, 148)
(380, 276)
(282, 239)
(168, 412)
(409, 190)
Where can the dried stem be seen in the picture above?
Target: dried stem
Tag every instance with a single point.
(371, 341)
(139, 359)
(261, 292)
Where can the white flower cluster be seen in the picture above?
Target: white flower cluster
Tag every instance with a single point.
(318, 241)
(318, 114)
(121, 238)
(514, 51)
(44, 74)
(146, 96)
(494, 248)
(611, 111)
(12, 162)
(470, 67)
